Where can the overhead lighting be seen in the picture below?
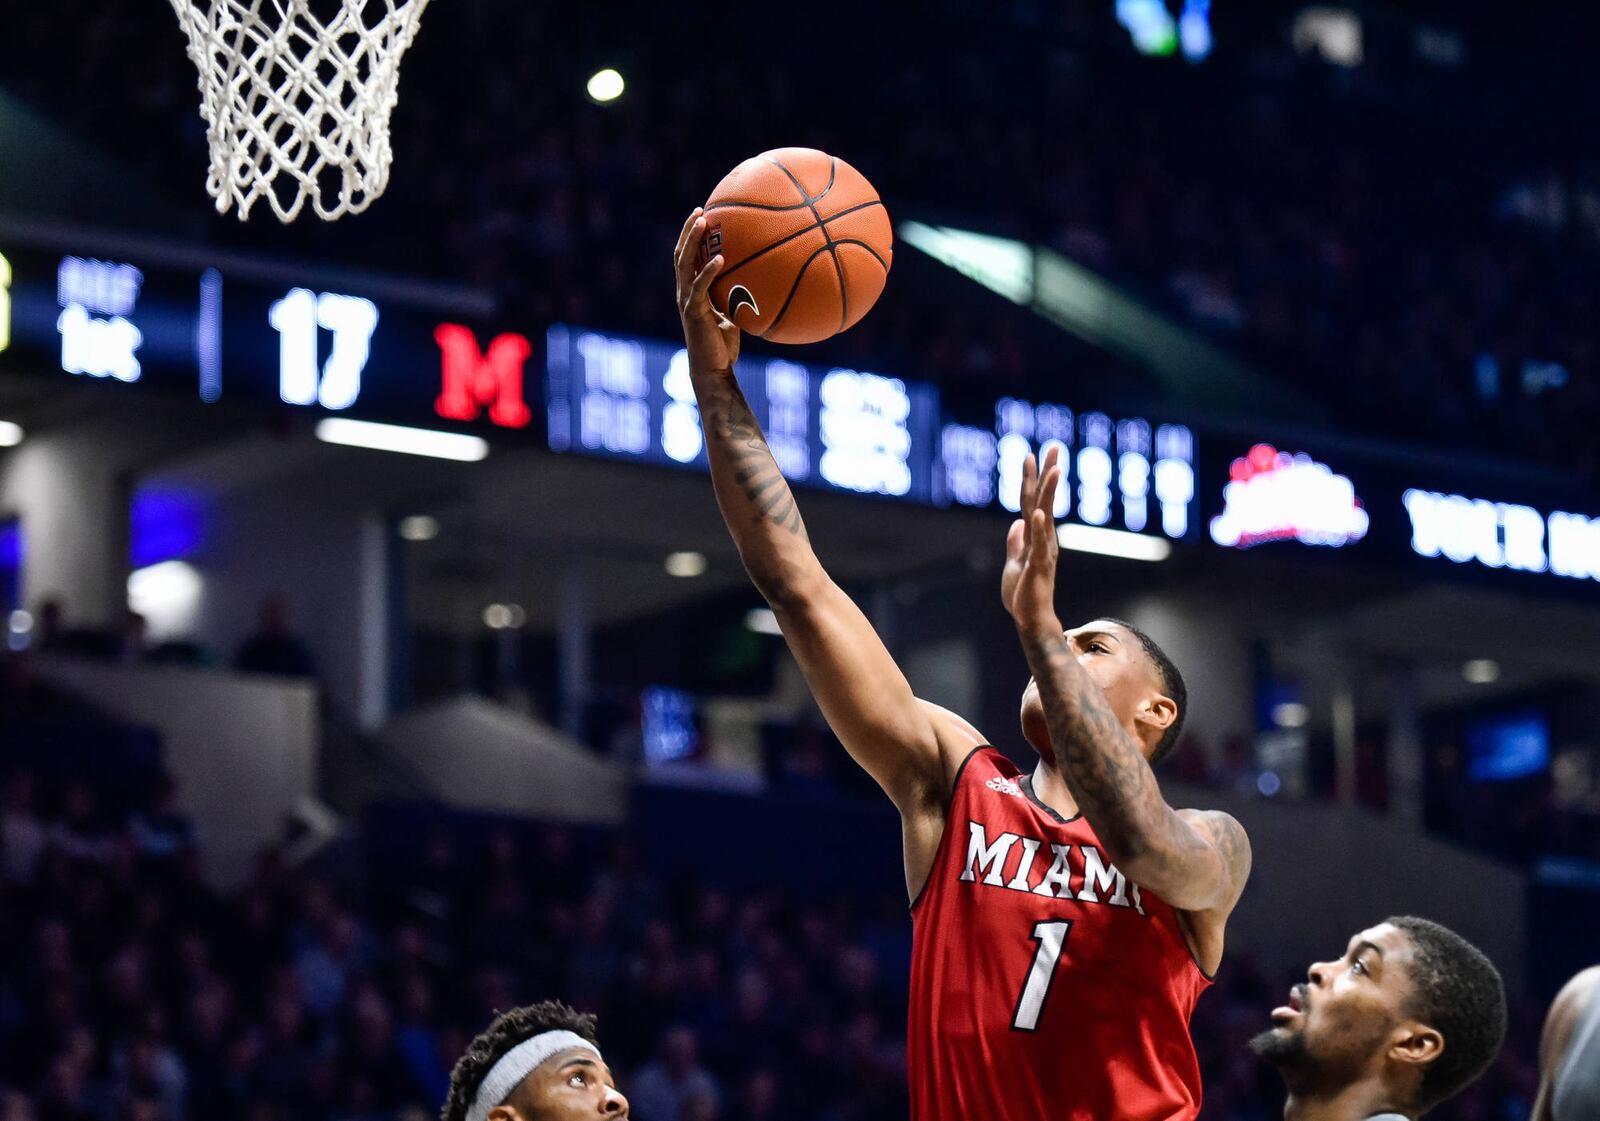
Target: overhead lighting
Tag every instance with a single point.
(606, 85)
(504, 616)
(10, 434)
(19, 630)
(685, 564)
(1332, 32)
(1290, 714)
(419, 527)
(762, 621)
(1113, 542)
(167, 595)
(997, 263)
(397, 438)
(1481, 671)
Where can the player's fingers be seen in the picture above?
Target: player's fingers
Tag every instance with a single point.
(1039, 526)
(1016, 540)
(683, 234)
(702, 282)
(1047, 490)
(1051, 456)
(1030, 485)
(687, 254)
(1047, 507)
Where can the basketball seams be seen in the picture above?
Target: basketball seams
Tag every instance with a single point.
(799, 275)
(838, 269)
(755, 206)
(856, 209)
(865, 245)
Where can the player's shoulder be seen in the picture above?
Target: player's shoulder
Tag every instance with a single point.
(1226, 834)
(1578, 993)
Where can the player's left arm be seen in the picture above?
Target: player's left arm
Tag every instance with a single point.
(1196, 861)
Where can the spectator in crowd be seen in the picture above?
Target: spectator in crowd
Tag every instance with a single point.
(674, 1086)
(347, 989)
(274, 648)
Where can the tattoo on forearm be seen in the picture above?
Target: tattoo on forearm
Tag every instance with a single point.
(1103, 768)
(1109, 776)
(731, 422)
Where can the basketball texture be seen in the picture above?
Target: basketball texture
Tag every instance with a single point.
(806, 245)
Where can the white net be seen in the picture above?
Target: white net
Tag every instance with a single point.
(297, 107)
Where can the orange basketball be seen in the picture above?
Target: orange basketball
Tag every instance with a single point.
(806, 245)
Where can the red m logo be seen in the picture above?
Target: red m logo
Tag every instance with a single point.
(474, 380)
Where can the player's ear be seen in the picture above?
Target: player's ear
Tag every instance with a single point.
(1415, 1044)
(507, 1112)
(1158, 713)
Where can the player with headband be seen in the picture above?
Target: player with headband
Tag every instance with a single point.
(539, 1063)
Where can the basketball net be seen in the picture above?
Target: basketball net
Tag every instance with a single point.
(297, 108)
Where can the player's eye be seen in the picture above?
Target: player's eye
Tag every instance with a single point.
(578, 1079)
(1098, 647)
(1358, 967)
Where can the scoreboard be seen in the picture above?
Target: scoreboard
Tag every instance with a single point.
(288, 342)
(622, 397)
(268, 338)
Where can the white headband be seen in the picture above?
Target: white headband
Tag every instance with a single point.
(516, 1064)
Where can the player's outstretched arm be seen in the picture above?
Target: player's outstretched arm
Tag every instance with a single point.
(868, 702)
(1195, 861)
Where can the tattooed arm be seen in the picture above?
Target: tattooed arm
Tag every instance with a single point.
(906, 745)
(1194, 860)
(1197, 861)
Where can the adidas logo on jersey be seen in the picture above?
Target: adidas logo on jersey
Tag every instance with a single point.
(1004, 786)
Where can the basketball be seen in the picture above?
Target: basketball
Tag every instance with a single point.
(806, 244)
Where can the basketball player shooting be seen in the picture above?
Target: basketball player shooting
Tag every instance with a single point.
(1064, 922)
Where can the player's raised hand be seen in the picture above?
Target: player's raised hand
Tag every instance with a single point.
(712, 338)
(1028, 581)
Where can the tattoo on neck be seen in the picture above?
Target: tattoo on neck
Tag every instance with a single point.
(731, 422)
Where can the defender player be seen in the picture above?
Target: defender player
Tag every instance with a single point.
(1406, 1019)
(1065, 921)
(1569, 1053)
(539, 1063)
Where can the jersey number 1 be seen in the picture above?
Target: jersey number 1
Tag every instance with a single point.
(1051, 936)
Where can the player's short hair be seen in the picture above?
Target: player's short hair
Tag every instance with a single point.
(508, 1030)
(1171, 684)
(1458, 992)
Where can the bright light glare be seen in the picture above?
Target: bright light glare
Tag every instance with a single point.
(419, 527)
(1481, 671)
(685, 564)
(997, 263)
(167, 595)
(21, 622)
(504, 616)
(1290, 714)
(606, 85)
(10, 434)
(396, 438)
(762, 621)
(1113, 542)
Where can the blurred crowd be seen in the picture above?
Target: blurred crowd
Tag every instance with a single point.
(344, 987)
(1411, 250)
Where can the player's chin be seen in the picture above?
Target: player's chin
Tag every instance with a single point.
(1278, 1044)
(1034, 728)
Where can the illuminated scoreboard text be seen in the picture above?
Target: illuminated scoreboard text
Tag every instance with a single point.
(854, 430)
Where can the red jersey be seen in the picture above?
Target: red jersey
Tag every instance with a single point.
(1044, 985)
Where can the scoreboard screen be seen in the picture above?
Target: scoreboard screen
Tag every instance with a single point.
(853, 430)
